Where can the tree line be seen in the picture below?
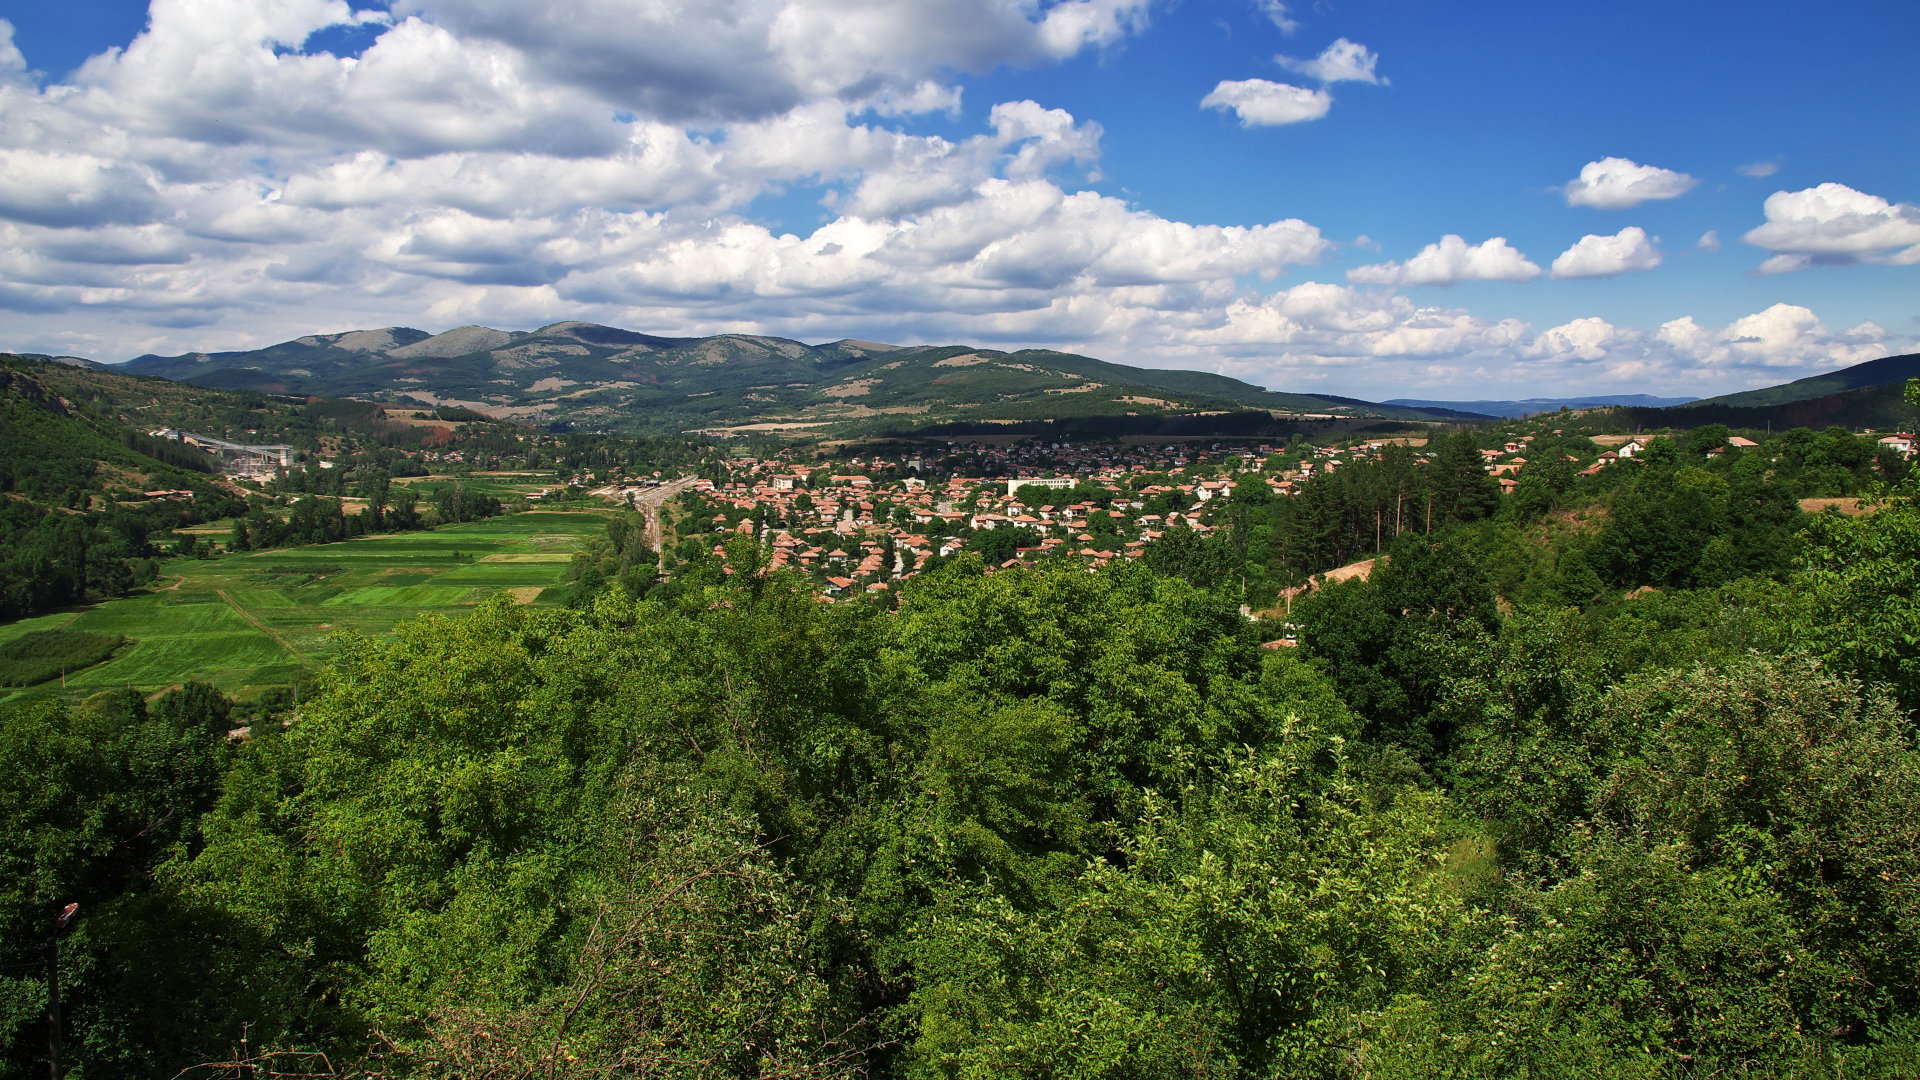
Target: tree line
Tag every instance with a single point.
(1036, 822)
(1622, 784)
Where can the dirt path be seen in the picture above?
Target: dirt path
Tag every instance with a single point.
(649, 502)
(649, 505)
(260, 626)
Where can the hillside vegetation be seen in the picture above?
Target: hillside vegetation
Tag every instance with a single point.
(75, 519)
(1613, 782)
(1891, 371)
(606, 378)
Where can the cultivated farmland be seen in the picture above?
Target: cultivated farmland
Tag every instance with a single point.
(247, 622)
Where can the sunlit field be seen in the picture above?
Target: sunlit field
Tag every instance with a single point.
(246, 622)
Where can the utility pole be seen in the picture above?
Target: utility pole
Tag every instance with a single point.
(53, 991)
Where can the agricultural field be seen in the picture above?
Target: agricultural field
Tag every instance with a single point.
(255, 620)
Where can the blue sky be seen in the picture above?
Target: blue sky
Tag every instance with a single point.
(1369, 197)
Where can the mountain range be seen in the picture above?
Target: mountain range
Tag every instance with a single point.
(1530, 406)
(606, 378)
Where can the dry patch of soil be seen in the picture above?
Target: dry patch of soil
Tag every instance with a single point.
(1850, 506)
(856, 388)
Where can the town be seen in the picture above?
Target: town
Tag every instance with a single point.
(863, 524)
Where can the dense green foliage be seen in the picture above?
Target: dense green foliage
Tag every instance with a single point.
(1032, 823)
(1611, 776)
(1685, 513)
(74, 522)
(48, 654)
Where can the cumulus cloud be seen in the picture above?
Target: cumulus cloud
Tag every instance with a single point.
(1260, 103)
(1834, 224)
(1265, 103)
(1759, 169)
(221, 183)
(1073, 25)
(1321, 325)
(1615, 183)
(741, 59)
(13, 66)
(1784, 336)
(1709, 241)
(1450, 262)
(1783, 341)
(74, 190)
(1604, 256)
(1585, 340)
(1342, 61)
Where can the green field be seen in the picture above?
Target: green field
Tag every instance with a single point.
(250, 621)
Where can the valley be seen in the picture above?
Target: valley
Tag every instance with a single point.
(251, 621)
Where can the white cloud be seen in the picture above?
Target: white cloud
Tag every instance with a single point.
(1834, 224)
(1758, 170)
(1320, 326)
(1782, 342)
(1342, 61)
(1619, 184)
(1784, 336)
(1585, 340)
(1277, 13)
(1709, 241)
(215, 185)
(112, 245)
(74, 190)
(1604, 256)
(1450, 262)
(1260, 103)
(740, 59)
(13, 66)
(1073, 25)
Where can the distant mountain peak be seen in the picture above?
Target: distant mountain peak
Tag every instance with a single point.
(458, 341)
(608, 377)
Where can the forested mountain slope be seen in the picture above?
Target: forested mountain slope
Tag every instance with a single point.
(1882, 408)
(75, 517)
(1887, 371)
(605, 377)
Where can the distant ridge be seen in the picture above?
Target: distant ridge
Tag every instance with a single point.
(1530, 406)
(1866, 395)
(1882, 372)
(70, 361)
(608, 378)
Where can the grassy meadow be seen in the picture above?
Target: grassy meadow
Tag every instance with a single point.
(254, 620)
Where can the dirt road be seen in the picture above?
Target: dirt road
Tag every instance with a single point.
(649, 501)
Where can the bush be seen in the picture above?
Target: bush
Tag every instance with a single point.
(45, 654)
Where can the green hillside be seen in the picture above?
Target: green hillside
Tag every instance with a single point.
(76, 521)
(1869, 408)
(605, 378)
(1886, 371)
